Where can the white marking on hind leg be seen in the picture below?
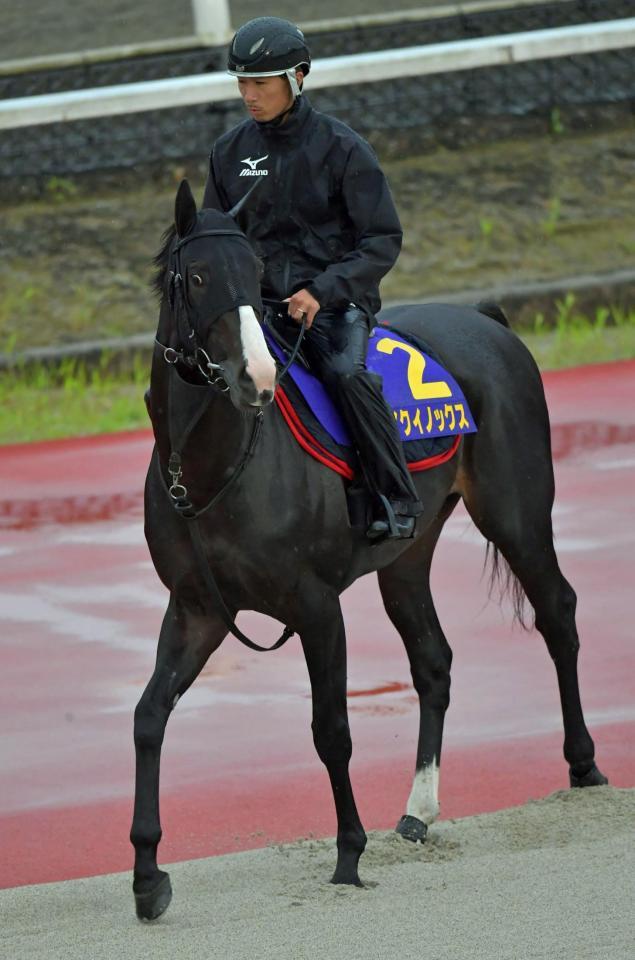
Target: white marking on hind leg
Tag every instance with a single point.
(259, 363)
(423, 802)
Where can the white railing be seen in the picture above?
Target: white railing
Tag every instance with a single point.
(220, 31)
(328, 72)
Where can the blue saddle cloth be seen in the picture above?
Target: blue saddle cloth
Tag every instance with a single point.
(425, 399)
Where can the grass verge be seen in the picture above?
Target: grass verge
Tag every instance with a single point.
(576, 339)
(72, 399)
(44, 403)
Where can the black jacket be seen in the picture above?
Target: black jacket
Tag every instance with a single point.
(322, 216)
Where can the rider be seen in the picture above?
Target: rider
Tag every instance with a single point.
(325, 226)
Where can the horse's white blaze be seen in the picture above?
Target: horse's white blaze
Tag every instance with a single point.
(423, 802)
(258, 361)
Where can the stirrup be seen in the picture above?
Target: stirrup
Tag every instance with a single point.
(390, 516)
(390, 528)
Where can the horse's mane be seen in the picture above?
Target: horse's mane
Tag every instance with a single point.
(161, 260)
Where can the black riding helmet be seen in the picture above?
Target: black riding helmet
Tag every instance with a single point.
(269, 47)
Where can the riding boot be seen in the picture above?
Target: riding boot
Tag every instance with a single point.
(375, 436)
(336, 347)
(392, 527)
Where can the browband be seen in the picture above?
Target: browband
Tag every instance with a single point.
(209, 233)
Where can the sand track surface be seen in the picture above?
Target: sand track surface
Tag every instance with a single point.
(554, 878)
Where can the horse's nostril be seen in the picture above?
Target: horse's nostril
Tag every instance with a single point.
(266, 396)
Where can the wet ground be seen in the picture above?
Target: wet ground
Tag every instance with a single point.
(81, 609)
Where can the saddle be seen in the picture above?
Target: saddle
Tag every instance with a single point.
(429, 407)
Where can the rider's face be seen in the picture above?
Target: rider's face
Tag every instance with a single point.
(265, 97)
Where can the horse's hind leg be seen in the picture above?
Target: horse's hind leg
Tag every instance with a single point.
(405, 590)
(554, 603)
(516, 519)
(324, 645)
(187, 639)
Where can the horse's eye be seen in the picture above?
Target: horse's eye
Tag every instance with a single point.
(197, 279)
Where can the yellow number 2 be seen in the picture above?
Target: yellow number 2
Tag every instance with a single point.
(434, 390)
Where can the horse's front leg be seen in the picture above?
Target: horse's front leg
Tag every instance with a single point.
(324, 644)
(186, 641)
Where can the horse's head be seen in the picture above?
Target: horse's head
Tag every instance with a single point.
(212, 284)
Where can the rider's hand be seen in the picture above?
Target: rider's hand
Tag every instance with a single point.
(302, 303)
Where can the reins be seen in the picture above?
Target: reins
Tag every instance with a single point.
(177, 491)
(183, 506)
(296, 348)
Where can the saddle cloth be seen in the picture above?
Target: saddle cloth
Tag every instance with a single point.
(429, 407)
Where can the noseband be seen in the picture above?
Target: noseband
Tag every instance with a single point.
(196, 355)
(193, 355)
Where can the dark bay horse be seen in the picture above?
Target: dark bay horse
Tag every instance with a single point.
(274, 533)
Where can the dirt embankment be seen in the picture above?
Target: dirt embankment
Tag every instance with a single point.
(76, 262)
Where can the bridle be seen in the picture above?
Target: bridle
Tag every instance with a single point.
(196, 356)
(200, 359)
(193, 355)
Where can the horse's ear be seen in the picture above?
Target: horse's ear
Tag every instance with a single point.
(184, 209)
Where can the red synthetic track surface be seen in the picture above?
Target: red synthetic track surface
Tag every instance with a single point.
(81, 609)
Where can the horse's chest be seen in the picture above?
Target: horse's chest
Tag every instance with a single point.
(271, 573)
(259, 582)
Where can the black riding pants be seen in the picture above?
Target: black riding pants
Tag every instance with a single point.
(335, 347)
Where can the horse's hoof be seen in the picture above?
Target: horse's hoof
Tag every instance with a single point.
(347, 876)
(592, 778)
(411, 828)
(152, 903)
(346, 868)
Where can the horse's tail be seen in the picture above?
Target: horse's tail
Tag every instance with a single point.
(491, 309)
(505, 583)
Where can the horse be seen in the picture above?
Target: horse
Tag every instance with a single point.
(238, 517)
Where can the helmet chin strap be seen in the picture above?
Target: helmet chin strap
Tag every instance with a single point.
(293, 82)
(296, 92)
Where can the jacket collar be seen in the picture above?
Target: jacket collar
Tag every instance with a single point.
(296, 119)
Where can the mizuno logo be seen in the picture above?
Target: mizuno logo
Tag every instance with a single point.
(252, 163)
